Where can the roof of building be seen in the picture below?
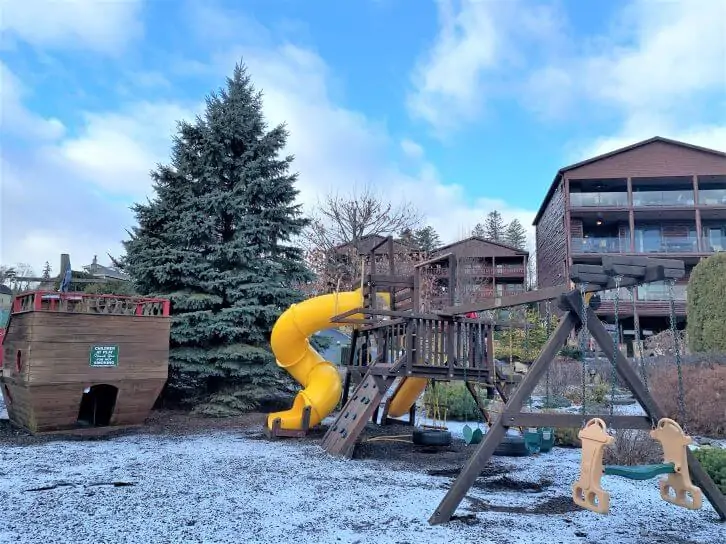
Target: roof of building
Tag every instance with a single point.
(654, 139)
(482, 239)
(5, 290)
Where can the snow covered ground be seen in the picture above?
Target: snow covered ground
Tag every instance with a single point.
(233, 487)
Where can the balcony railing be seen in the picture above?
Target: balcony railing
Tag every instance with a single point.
(666, 244)
(488, 271)
(663, 198)
(713, 243)
(712, 197)
(600, 244)
(597, 200)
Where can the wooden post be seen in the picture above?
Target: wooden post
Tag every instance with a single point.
(631, 216)
(496, 433)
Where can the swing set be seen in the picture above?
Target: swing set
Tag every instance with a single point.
(677, 487)
(686, 482)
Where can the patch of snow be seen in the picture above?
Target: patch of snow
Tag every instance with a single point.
(3, 408)
(230, 487)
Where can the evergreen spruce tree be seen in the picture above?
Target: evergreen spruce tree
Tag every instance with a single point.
(479, 231)
(427, 239)
(216, 241)
(46, 271)
(494, 226)
(515, 234)
(408, 239)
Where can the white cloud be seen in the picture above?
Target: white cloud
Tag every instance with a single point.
(115, 151)
(411, 149)
(661, 71)
(465, 67)
(16, 120)
(105, 27)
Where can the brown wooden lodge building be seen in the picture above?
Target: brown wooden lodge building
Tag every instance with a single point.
(658, 198)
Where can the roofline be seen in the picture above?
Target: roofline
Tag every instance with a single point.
(609, 154)
(482, 239)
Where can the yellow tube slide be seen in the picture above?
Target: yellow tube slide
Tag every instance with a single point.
(407, 394)
(319, 378)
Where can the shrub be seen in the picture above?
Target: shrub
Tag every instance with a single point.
(633, 447)
(566, 437)
(572, 352)
(556, 401)
(714, 463)
(598, 393)
(455, 399)
(704, 387)
(565, 374)
(706, 307)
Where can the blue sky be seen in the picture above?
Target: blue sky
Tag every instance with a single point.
(459, 106)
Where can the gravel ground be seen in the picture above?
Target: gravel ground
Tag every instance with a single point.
(186, 479)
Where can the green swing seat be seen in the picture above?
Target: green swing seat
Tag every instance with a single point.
(640, 472)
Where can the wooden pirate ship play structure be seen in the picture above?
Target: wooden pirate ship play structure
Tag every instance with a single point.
(400, 347)
(74, 360)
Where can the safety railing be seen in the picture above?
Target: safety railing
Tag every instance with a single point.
(83, 303)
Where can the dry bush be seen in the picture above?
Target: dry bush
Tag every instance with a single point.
(633, 447)
(565, 377)
(704, 395)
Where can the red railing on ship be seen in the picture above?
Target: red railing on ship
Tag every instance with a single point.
(54, 301)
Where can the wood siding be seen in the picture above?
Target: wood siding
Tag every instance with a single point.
(551, 240)
(652, 160)
(47, 368)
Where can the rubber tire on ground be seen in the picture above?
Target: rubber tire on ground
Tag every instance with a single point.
(423, 437)
(512, 446)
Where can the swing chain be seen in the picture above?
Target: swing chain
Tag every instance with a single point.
(616, 344)
(677, 348)
(638, 347)
(583, 346)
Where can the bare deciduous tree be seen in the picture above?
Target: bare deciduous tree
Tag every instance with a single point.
(342, 219)
(338, 223)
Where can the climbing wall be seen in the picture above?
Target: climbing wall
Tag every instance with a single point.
(345, 430)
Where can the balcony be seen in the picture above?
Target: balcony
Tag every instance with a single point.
(600, 244)
(663, 198)
(645, 242)
(509, 271)
(505, 271)
(712, 197)
(599, 200)
(650, 300)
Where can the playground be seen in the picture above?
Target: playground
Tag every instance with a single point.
(185, 479)
(363, 456)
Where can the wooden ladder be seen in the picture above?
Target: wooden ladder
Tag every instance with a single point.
(345, 430)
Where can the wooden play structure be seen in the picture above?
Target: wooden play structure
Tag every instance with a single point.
(399, 346)
(78, 361)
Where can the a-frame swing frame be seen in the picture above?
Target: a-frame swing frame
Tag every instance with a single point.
(645, 271)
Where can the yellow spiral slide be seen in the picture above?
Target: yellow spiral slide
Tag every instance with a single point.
(322, 386)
